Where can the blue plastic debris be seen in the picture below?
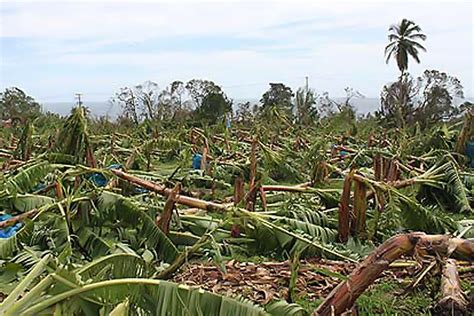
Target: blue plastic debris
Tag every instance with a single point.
(39, 186)
(344, 153)
(10, 230)
(141, 190)
(197, 161)
(99, 179)
(115, 166)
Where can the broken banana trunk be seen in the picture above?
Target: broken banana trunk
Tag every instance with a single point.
(344, 209)
(452, 300)
(360, 209)
(164, 220)
(19, 218)
(239, 190)
(342, 298)
(180, 199)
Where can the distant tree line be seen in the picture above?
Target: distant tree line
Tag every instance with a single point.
(409, 101)
(199, 100)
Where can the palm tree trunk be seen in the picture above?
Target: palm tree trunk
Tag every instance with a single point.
(402, 100)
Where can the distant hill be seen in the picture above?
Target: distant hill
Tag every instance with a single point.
(98, 108)
(363, 105)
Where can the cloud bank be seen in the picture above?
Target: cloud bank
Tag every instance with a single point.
(54, 49)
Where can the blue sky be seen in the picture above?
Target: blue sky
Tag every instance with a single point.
(54, 49)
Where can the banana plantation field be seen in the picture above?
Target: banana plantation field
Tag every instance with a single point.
(260, 218)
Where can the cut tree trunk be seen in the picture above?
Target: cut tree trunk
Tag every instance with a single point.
(131, 160)
(463, 248)
(59, 191)
(445, 246)
(378, 167)
(90, 159)
(360, 209)
(393, 171)
(344, 209)
(251, 197)
(452, 300)
(163, 221)
(319, 173)
(346, 293)
(263, 198)
(239, 190)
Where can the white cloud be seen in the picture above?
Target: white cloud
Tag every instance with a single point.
(138, 21)
(297, 39)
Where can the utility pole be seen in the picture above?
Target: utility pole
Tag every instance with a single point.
(78, 96)
(307, 85)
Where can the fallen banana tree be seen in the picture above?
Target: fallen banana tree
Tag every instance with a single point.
(161, 297)
(343, 297)
(180, 199)
(402, 179)
(212, 206)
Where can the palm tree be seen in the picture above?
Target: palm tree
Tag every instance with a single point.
(403, 43)
(305, 100)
